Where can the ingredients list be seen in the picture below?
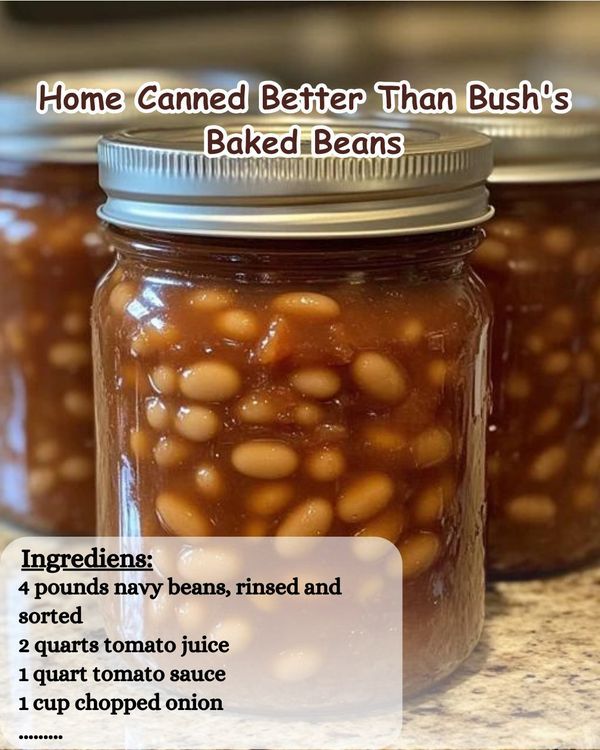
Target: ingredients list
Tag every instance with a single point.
(242, 633)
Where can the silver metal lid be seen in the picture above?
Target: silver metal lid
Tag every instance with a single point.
(162, 181)
(26, 135)
(540, 148)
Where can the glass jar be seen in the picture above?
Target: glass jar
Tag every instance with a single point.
(50, 260)
(255, 381)
(541, 263)
(51, 257)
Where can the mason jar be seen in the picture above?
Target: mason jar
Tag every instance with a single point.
(541, 263)
(298, 347)
(51, 258)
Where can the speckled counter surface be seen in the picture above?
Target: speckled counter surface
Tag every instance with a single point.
(533, 683)
(534, 680)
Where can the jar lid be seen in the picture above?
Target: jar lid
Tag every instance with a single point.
(540, 148)
(26, 135)
(161, 180)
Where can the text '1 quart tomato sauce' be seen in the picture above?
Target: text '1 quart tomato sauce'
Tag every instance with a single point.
(298, 347)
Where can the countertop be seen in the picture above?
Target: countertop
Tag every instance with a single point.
(533, 682)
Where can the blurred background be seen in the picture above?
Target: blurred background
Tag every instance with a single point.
(341, 43)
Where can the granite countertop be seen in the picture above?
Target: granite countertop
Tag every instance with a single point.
(533, 682)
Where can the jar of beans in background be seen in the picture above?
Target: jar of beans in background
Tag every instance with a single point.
(50, 260)
(297, 347)
(541, 263)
